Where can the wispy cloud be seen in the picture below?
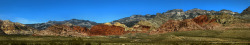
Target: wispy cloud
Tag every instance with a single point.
(24, 21)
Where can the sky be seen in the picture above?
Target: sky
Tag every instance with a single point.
(101, 11)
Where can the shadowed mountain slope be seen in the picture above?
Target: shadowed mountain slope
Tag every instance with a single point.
(74, 22)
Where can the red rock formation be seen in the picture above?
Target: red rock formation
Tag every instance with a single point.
(80, 29)
(205, 22)
(106, 30)
(203, 19)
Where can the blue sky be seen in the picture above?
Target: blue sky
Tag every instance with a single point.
(101, 11)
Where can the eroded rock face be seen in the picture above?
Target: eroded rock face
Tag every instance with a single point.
(80, 29)
(132, 20)
(11, 28)
(102, 29)
(207, 22)
(63, 30)
(203, 19)
(175, 25)
(225, 19)
(201, 22)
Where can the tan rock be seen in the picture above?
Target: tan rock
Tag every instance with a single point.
(63, 30)
(108, 24)
(15, 28)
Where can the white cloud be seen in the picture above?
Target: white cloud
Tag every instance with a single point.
(24, 21)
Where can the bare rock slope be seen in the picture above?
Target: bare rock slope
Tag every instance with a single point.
(12, 28)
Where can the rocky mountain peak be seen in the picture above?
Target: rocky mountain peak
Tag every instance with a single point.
(74, 19)
(175, 10)
(225, 11)
(196, 9)
(135, 16)
(246, 11)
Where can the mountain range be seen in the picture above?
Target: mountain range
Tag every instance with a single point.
(76, 22)
(171, 20)
(176, 14)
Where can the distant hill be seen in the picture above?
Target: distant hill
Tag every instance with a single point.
(82, 23)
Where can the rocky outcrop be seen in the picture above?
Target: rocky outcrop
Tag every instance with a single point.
(102, 29)
(63, 30)
(206, 22)
(140, 29)
(245, 14)
(159, 19)
(246, 11)
(80, 29)
(196, 12)
(225, 19)
(203, 19)
(74, 22)
(175, 25)
(132, 20)
(121, 25)
(201, 22)
(12, 28)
